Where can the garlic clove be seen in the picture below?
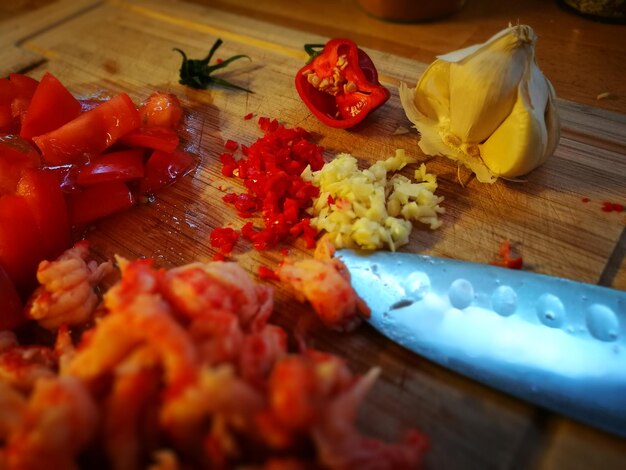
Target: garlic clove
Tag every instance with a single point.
(521, 142)
(483, 85)
(434, 84)
(432, 134)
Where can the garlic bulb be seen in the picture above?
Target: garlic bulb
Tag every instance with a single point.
(487, 106)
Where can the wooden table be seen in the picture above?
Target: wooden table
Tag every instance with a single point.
(126, 46)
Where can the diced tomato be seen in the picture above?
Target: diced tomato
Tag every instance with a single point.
(15, 94)
(16, 154)
(99, 200)
(161, 110)
(163, 168)
(51, 106)
(90, 133)
(25, 87)
(11, 313)
(20, 243)
(7, 91)
(155, 138)
(125, 165)
(40, 188)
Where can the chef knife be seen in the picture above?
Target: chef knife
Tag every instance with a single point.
(557, 343)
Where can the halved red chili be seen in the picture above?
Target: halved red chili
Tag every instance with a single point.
(340, 85)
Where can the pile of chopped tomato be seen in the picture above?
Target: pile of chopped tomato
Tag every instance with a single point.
(66, 163)
(270, 169)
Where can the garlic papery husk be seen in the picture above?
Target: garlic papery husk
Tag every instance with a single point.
(487, 106)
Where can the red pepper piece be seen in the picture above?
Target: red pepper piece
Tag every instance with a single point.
(51, 106)
(506, 259)
(98, 201)
(340, 85)
(224, 238)
(267, 274)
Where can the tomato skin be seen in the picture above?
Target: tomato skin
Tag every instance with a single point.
(20, 241)
(16, 154)
(51, 106)
(40, 188)
(99, 200)
(155, 138)
(125, 165)
(90, 133)
(161, 110)
(11, 311)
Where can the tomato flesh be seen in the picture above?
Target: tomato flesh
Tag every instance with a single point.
(161, 110)
(99, 200)
(16, 154)
(155, 138)
(11, 313)
(40, 189)
(164, 168)
(90, 133)
(51, 106)
(15, 95)
(20, 241)
(125, 165)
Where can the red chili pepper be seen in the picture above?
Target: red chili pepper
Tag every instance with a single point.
(340, 85)
(506, 260)
(267, 274)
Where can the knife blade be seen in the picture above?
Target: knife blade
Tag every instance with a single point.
(554, 342)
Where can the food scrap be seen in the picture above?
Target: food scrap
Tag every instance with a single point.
(362, 208)
(270, 169)
(324, 281)
(340, 84)
(608, 206)
(488, 107)
(196, 73)
(507, 260)
(196, 377)
(66, 163)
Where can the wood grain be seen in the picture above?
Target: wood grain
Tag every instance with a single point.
(127, 46)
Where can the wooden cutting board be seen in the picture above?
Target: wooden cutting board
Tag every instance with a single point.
(118, 45)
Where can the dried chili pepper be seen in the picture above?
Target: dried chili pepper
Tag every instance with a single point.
(340, 83)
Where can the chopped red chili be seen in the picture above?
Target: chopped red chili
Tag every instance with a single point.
(224, 238)
(248, 116)
(612, 207)
(231, 145)
(270, 169)
(267, 274)
(506, 260)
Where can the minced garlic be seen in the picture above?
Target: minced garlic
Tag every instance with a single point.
(364, 209)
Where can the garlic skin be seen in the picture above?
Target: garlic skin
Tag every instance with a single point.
(487, 106)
